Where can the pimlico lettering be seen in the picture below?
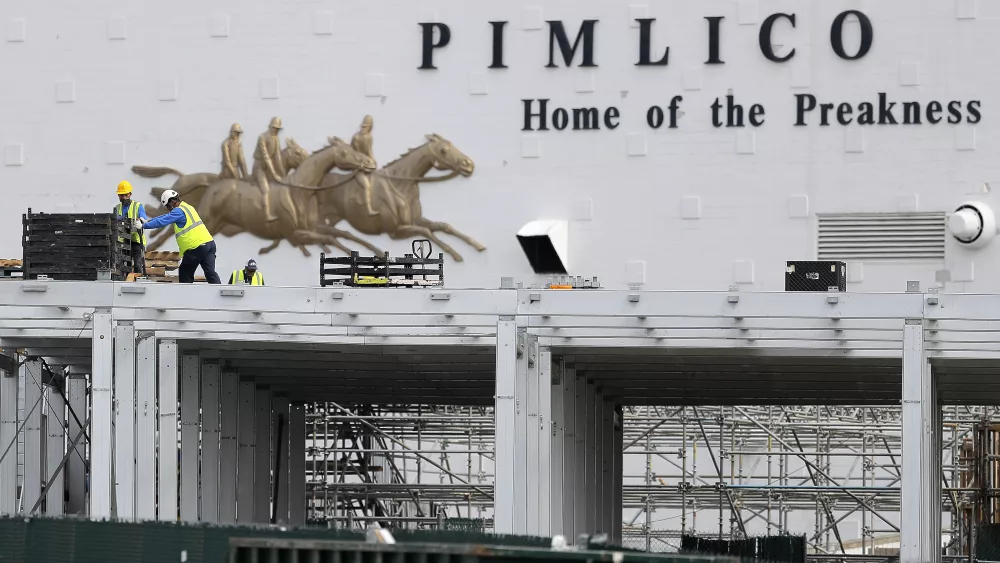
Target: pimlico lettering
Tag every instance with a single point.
(539, 115)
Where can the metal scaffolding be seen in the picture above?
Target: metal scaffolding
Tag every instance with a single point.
(831, 473)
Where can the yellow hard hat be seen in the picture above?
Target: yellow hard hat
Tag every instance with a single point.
(124, 187)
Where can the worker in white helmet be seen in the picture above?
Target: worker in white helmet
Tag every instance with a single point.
(193, 238)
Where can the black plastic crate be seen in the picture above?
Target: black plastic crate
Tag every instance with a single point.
(75, 246)
(815, 276)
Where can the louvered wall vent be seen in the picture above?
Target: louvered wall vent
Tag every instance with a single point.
(881, 236)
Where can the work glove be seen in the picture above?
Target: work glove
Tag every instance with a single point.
(137, 224)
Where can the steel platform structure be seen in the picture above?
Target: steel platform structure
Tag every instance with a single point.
(189, 402)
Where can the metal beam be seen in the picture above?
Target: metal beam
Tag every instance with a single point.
(210, 438)
(125, 420)
(8, 442)
(920, 513)
(55, 446)
(145, 429)
(506, 412)
(262, 457)
(246, 441)
(297, 465)
(167, 409)
(76, 470)
(101, 437)
(31, 382)
(190, 379)
(229, 445)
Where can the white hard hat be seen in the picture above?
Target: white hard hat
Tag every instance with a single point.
(167, 195)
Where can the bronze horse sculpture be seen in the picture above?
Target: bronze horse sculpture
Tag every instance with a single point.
(342, 197)
(191, 187)
(229, 206)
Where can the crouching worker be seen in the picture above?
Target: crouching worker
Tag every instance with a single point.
(195, 243)
(248, 274)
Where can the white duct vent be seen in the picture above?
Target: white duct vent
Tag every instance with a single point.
(868, 237)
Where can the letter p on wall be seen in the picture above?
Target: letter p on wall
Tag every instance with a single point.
(428, 45)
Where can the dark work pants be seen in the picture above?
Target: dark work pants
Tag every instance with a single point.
(203, 256)
(138, 258)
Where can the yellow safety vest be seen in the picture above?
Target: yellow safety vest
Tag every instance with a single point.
(194, 233)
(133, 214)
(257, 279)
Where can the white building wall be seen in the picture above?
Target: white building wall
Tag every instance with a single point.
(93, 88)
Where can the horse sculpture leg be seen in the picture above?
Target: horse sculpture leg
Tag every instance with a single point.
(410, 231)
(271, 247)
(302, 238)
(438, 226)
(337, 233)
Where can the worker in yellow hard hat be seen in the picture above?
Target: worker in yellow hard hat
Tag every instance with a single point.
(135, 213)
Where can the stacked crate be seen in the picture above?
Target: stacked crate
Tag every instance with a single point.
(75, 246)
(381, 271)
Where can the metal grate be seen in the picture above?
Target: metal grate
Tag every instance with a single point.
(881, 236)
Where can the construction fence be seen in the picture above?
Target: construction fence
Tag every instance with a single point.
(774, 549)
(71, 540)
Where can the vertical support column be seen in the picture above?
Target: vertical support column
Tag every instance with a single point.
(531, 402)
(544, 442)
(557, 448)
(76, 469)
(596, 492)
(31, 487)
(190, 389)
(617, 480)
(583, 479)
(145, 428)
(521, 435)
(101, 375)
(167, 405)
(8, 443)
(210, 442)
(125, 422)
(262, 457)
(229, 389)
(297, 465)
(593, 416)
(55, 447)
(571, 470)
(607, 468)
(245, 455)
(503, 487)
(920, 513)
(279, 457)
(935, 448)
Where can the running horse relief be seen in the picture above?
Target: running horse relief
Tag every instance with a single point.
(307, 199)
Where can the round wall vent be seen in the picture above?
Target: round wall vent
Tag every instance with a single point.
(972, 224)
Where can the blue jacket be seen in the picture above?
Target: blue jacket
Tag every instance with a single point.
(176, 216)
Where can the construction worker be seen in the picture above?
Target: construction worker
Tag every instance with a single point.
(248, 274)
(195, 243)
(133, 211)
